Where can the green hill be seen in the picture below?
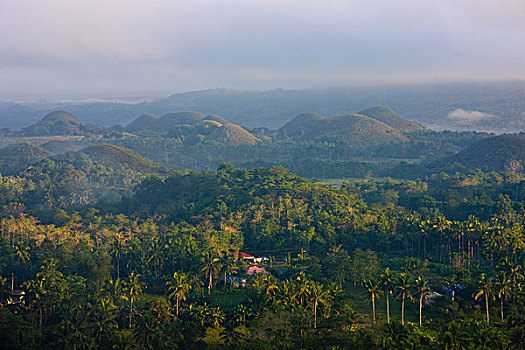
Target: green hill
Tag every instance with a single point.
(354, 128)
(60, 123)
(301, 124)
(232, 135)
(119, 157)
(18, 156)
(498, 153)
(389, 117)
(143, 122)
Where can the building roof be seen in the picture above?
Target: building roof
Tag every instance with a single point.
(255, 270)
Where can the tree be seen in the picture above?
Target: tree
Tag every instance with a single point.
(388, 288)
(423, 292)
(503, 289)
(302, 289)
(485, 289)
(373, 292)
(46, 289)
(318, 295)
(178, 288)
(233, 336)
(226, 263)
(403, 290)
(210, 268)
(103, 319)
(134, 291)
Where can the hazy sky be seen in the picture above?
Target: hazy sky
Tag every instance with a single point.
(79, 48)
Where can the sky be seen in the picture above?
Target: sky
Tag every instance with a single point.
(96, 48)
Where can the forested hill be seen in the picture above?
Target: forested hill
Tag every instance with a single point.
(60, 123)
(500, 153)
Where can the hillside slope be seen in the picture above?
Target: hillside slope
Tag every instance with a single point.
(60, 123)
(498, 153)
(19, 156)
(353, 128)
(390, 118)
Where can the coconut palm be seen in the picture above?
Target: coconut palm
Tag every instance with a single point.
(302, 289)
(270, 285)
(226, 263)
(485, 288)
(388, 288)
(178, 288)
(210, 268)
(403, 290)
(373, 292)
(232, 336)
(103, 319)
(114, 289)
(318, 295)
(503, 289)
(423, 292)
(133, 291)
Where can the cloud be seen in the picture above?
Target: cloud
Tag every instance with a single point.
(76, 46)
(461, 116)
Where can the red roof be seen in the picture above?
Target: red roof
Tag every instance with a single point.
(244, 255)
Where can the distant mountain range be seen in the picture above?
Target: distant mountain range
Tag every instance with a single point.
(498, 107)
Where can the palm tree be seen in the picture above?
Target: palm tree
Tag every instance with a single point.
(423, 292)
(270, 286)
(302, 291)
(388, 287)
(210, 268)
(155, 255)
(103, 319)
(318, 295)
(75, 331)
(226, 263)
(373, 292)
(133, 291)
(485, 288)
(231, 335)
(178, 288)
(503, 289)
(114, 289)
(403, 290)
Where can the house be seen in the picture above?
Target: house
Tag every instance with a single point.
(255, 270)
(241, 255)
(15, 295)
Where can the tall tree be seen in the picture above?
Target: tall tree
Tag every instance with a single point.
(178, 288)
(388, 287)
(503, 289)
(210, 268)
(485, 289)
(373, 292)
(133, 291)
(318, 295)
(403, 287)
(423, 292)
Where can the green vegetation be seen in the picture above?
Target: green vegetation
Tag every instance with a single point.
(60, 123)
(110, 250)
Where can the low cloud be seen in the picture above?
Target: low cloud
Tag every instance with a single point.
(462, 116)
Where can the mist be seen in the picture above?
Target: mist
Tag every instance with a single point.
(80, 49)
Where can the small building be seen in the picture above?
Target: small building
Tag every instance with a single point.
(255, 270)
(241, 255)
(15, 295)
